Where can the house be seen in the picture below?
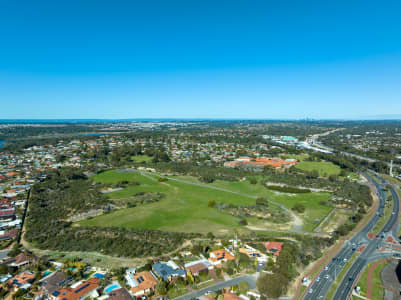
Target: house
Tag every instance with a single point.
(198, 266)
(219, 256)
(196, 269)
(21, 280)
(53, 282)
(22, 259)
(144, 283)
(274, 247)
(168, 270)
(261, 162)
(78, 291)
(253, 253)
(9, 235)
(7, 214)
(5, 278)
(120, 294)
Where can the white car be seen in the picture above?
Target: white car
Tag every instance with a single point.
(326, 276)
(326, 268)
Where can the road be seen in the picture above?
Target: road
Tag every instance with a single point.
(319, 288)
(313, 142)
(250, 279)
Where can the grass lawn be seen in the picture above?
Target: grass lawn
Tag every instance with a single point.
(312, 201)
(324, 168)
(184, 206)
(141, 158)
(377, 292)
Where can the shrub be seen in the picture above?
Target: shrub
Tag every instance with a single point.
(287, 189)
(300, 208)
(243, 222)
(211, 203)
(262, 201)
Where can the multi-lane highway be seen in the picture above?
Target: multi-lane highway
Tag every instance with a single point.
(321, 286)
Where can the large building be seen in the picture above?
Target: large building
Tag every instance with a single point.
(261, 162)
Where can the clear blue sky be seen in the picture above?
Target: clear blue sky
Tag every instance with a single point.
(199, 59)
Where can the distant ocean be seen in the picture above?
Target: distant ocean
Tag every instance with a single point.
(1, 143)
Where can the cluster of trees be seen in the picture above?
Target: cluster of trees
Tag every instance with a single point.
(261, 211)
(275, 284)
(206, 174)
(44, 130)
(287, 189)
(293, 254)
(358, 194)
(121, 156)
(66, 192)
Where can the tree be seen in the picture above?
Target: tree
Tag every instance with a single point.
(261, 201)
(243, 222)
(161, 288)
(211, 203)
(272, 285)
(299, 208)
(243, 287)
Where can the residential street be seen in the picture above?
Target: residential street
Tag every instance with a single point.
(250, 279)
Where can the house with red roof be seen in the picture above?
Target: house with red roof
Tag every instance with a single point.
(274, 247)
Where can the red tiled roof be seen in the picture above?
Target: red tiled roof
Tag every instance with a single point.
(274, 247)
(81, 290)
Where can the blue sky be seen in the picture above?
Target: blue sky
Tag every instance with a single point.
(199, 59)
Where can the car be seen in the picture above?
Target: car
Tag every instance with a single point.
(310, 291)
(345, 260)
(393, 213)
(318, 279)
(326, 276)
(326, 268)
(208, 292)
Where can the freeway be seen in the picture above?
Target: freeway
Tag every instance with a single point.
(313, 142)
(321, 286)
(370, 253)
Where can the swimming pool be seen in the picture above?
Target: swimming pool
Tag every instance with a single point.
(46, 273)
(99, 275)
(112, 288)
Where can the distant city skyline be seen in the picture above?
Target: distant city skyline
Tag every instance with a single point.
(200, 60)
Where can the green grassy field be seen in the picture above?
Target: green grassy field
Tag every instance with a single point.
(184, 206)
(323, 167)
(141, 158)
(377, 292)
(312, 201)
